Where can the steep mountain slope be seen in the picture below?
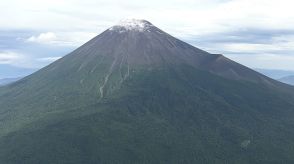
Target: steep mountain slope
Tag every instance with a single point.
(135, 94)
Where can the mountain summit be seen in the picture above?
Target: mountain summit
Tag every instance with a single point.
(132, 24)
(135, 94)
(133, 44)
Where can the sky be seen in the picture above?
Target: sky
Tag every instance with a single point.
(256, 33)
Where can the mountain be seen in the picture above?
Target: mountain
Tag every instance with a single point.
(280, 75)
(287, 80)
(275, 73)
(6, 81)
(135, 94)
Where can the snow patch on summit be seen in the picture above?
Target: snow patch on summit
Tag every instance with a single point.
(132, 25)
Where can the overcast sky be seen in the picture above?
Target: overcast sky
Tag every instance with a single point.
(256, 33)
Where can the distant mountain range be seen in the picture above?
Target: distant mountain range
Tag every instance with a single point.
(275, 74)
(280, 75)
(288, 80)
(9, 71)
(135, 94)
(6, 81)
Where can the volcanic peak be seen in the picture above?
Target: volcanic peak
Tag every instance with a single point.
(132, 25)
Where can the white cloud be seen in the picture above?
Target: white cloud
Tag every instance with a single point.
(24, 60)
(9, 57)
(179, 17)
(47, 38)
(73, 22)
(190, 16)
(250, 47)
(48, 59)
(62, 39)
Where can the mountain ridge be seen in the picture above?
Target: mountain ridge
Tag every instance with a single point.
(6, 81)
(287, 79)
(143, 96)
